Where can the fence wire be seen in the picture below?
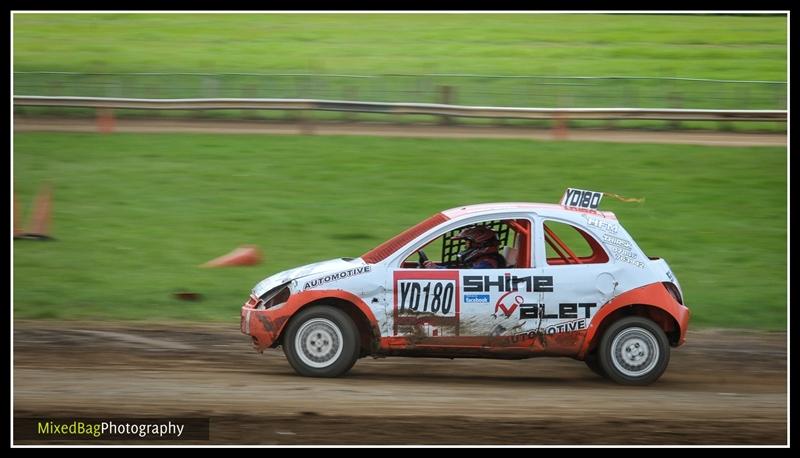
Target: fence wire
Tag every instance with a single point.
(474, 90)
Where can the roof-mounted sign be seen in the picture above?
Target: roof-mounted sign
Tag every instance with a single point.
(581, 199)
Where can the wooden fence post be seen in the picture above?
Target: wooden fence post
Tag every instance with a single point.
(447, 96)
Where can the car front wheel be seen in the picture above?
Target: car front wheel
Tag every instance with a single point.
(634, 351)
(321, 341)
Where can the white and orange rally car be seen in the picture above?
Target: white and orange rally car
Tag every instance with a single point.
(574, 284)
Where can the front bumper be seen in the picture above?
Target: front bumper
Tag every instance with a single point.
(264, 326)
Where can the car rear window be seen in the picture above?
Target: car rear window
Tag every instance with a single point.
(567, 244)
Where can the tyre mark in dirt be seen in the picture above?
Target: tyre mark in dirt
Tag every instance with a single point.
(722, 387)
(136, 340)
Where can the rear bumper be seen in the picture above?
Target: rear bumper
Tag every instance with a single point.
(682, 317)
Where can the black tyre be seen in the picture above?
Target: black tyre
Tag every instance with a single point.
(321, 341)
(634, 351)
(593, 362)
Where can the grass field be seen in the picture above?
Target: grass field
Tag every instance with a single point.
(698, 46)
(739, 47)
(134, 215)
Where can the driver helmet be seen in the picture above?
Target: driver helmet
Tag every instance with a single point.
(480, 241)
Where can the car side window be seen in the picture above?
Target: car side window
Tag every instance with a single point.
(568, 244)
(513, 237)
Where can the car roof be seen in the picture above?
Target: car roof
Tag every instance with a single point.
(547, 210)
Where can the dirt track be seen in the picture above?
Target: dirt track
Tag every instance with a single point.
(722, 387)
(31, 124)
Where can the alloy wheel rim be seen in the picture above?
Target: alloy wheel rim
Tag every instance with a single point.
(634, 352)
(319, 342)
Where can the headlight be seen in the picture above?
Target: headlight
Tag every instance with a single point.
(273, 297)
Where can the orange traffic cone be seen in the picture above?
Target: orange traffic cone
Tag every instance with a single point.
(247, 255)
(39, 224)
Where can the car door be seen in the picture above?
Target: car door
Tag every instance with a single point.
(470, 307)
(501, 305)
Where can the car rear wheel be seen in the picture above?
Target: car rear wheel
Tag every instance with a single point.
(634, 351)
(321, 341)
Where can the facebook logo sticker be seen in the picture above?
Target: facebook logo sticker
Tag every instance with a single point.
(476, 298)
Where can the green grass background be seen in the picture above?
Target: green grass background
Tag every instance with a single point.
(134, 215)
(697, 46)
(742, 47)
